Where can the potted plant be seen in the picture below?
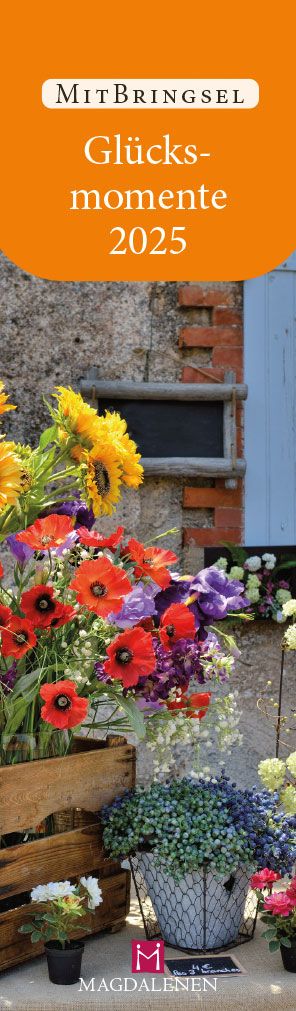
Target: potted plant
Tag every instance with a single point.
(194, 840)
(61, 907)
(278, 911)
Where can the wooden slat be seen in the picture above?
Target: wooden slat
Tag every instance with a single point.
(55, 858)
(193, 466)
(17, 947)
(162, 391)
(31, 791)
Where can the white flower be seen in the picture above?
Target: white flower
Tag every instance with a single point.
(253, 581)
(289, 608)
(291, 763)
(269, 560)
(253, 594)
(221, 564)
(283, 596)
(290, 637)
(253, 563)
(54, 890)
(94, 892)
(236, 572)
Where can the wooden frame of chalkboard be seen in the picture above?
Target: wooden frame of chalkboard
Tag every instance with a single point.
(213, 425)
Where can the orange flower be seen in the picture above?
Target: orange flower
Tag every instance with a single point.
(63, 707)
(152, 562)
(131, 656)
(176, 623)
(47, 533)
(100, 586)
(194, 706)
(17, 638)
(93, 539)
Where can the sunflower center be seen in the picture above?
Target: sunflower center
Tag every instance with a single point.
(62, 702)
(20, 638)
(98, 589)
(123, 655)
(101, 478)
(170, 630)
(45, 603)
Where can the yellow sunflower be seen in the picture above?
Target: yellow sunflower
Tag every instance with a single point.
(10, 475)
(4, 406)
(103, 478)
(76, 417)
(126, 449)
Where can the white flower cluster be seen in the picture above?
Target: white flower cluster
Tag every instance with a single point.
(289, 641)
(289, 608)
(62, 889)
(273, 775)
(162, 736)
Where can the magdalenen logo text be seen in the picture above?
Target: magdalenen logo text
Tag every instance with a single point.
(154, 984)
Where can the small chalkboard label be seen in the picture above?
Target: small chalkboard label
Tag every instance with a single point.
(218, 965)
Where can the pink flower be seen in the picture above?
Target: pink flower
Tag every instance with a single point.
(291, 891)
(264, 878)
(279, 904)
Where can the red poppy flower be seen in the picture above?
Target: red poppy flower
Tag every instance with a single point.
(131, 655)
(63, 707)
(194, 706)
(63, 613)
(152, 562)
(47, 533)
(5, 615)
(100, 586)
(39, 605)
(1, 571)
(17, 638)
(94, 540)
(176, 623)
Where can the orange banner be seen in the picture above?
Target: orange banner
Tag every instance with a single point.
(162, 148)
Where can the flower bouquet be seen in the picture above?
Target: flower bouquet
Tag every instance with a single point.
(193, 842)
(97, 631)
(266, 591)
(61, 907)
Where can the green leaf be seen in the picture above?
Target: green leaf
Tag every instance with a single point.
(27, 928)
(274, 945)
(27, 681)
(135, 716)
(286, 942)
(269, 934)
(18, 713)
(47, 436)
(36, 936)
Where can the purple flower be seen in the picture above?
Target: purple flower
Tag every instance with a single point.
(67, 545)
(8, 678)
(138, 604)
(84, 517)
(177, 593)
(100, 673)
(21, 551)
(216, 594)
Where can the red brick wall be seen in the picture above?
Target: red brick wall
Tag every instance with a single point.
(222, 336)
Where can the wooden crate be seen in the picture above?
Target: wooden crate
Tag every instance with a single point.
(29, 792)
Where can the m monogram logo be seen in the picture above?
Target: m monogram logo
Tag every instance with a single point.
(148, 956)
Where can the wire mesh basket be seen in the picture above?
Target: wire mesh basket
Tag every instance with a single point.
(200, 913)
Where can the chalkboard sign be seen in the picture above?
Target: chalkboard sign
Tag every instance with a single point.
(218, 965)
(170, 428)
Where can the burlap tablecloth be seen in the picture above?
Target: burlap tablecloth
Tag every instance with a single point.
(266, 985)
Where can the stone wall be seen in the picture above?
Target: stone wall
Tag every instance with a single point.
(53, 332)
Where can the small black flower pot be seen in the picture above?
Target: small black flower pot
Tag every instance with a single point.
(289, 957)
(64, 964)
